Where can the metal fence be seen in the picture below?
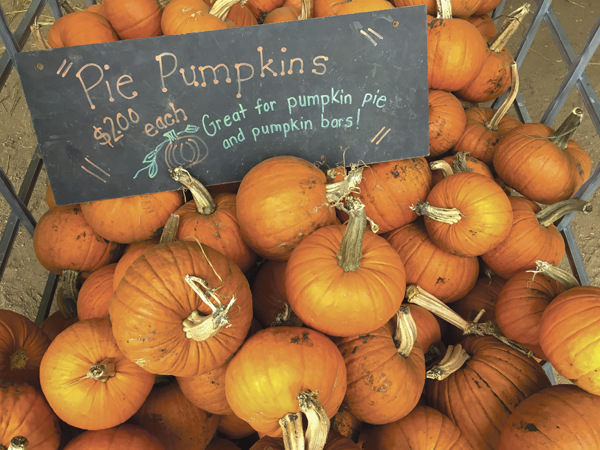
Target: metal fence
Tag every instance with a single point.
(576, 77)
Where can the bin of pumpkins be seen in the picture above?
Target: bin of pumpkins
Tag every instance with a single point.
(355, 314)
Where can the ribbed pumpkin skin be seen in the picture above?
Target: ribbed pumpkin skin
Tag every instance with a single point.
(480, 141)
(319, 290)
(455, 53)
(26, 413)
(428, 328)
(447, 276)
(430, 4)
(232, 427)
(480, 396)
(260, 8)
(268, 293)
(276, 205)
(91, 404)
(487, 6)
(219, 230)
(383, 386)
(446, 121)
(130, 254)
(130, 437)
(474, 164)
(423, 429)
(537, 168)
(132, 219)
(345, 423)
(63, 240)
(484, 295)
(241, 15)
(558, 417)
(260, 393)
(177, 424)
(487, 214)
(56, 324)
(484, 24)
(325, 8)
(569, 336)
(80, 28)
(520, 306)
(22, 346)
(282, 14)
(358, 6)
(207, 391)
(96, 8)
(95, 293)
(221, 444)
(189, 16)
(134, 19)
(153, 299)
(389, 189)
(527, 242)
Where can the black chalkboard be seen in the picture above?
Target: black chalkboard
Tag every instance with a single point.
(113, 118)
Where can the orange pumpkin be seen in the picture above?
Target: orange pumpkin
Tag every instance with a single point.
(88, 382)
(132, 219)
(423, 429)
(232, 427)
(80, 28)
(130, 437)
(56, 324)
(326, 8)
(238, 11)
(95, 293)
(358, 6)
(212, 222)
(446, 121)
(63, 240)
(177, 424)
(182, 334)
(207, 391)
(134, 19)
(280, 202)
(386, 373)
(487, 6)
(345, 423)
(484, 24)
(462, 162)
(483, 296)
(430, 4)
(26, 413)
(189, 16)
(282, 14)
(338, 265)
(429, 331)
(447, 276)
(262, 394)
(22, 349)
(130, 254)
(97, 9)
(569, 336)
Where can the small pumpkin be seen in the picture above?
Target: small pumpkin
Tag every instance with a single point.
(80, 28)
(131, 437)
(487, 6)
(56, 323)
(429, 331)
(446, 121)
(232, 427)
(22, 349)
(544, 165)
(282, 14)
(207, 391)
(484, 24)
(462, 162)
(25, 413)
(345, 423)
(134, 19)
(132, 219)
(130, 254)
(95, 293)
(484, 295)
(358, 6)
(430, 4)
(189, 16)
(84, 377)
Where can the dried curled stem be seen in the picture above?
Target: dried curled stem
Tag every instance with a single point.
(305, 9)
(170, 229)
(443, 166)
(205, 204)
(453, 360)
(318, 421)
(566, 129)
(565, 278)
(460, 163)
(38, 38)
(221, 8)
(444, 215)
(198, 327)
(292, 430)
(552, 213)
(406, 331)
(337, 192)
(67, 298)
(509, 27)
(444, 9)
(492, 124)
(350, 252)
(287, 318)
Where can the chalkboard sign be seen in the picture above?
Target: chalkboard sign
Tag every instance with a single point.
(113, 118)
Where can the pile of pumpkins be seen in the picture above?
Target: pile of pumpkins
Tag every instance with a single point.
(271, 314)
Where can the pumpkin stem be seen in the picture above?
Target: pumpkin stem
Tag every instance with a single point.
(563, 277)
(170, 229)
(406, 331)
(18, 360)
(318, 421)
(443, 166)
(68, 8)
(287, 318)
(292, 430)
(102, 371)
(444, 215)
(205, 204)
(552, 213)
(492, 124)
(40, 41)
(489, 273)
(221, 8)
(460, 163)
(18, 443)
(337, 192)
(305, 10)
(350, 252)
(200, 328)
(444, 9)
(566, 129)
(509, 27)
(163, 3)
(453, 360)
(67, 301)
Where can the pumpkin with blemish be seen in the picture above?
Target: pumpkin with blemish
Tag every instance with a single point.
(207, 390)
(446, 121)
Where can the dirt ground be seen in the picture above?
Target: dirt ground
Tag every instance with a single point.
(24, 280)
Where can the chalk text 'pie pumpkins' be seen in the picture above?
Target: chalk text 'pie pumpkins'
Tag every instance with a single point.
(88, 382)
(126, 436)
(280, 202)
(171, 311)
(303, 371)
(345, 280)
(25, 413)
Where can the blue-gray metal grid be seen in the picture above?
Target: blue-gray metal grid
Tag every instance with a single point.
(576, 76)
